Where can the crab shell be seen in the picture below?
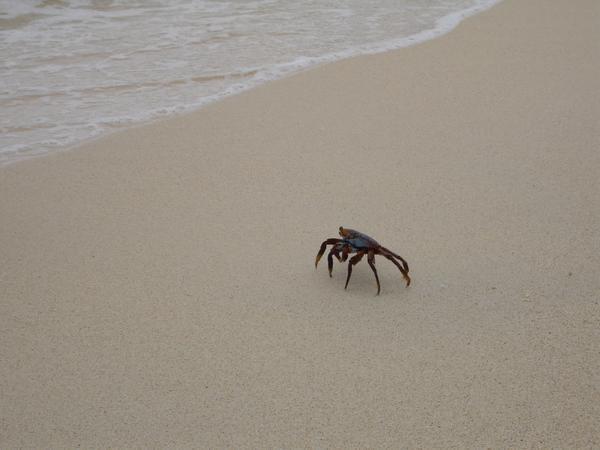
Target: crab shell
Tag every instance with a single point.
(357, 239)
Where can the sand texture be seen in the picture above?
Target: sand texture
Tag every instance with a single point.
(157, 286)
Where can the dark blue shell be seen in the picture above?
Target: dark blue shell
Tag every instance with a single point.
(360, 240)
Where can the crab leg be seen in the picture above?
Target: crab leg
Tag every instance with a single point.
(354, 260)
(336, 252)
(371, 261)
(404, 263)
(323, 247)
(404, 272)
(333, 252)
(345, 252)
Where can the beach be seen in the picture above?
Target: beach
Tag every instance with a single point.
(158, 288)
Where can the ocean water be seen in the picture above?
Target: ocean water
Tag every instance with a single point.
(71, 70)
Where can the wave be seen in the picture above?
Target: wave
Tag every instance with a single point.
(74, 72)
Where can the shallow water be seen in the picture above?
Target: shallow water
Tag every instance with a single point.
(73, 69)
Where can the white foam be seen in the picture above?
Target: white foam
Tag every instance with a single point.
(60, 84)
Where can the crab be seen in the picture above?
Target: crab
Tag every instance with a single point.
(359, 243)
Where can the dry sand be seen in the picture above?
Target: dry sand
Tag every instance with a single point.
(158, 289)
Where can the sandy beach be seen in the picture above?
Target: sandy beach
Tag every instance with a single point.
(158, 289)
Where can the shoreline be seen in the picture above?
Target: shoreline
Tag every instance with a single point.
(442, 26)
(158, 284)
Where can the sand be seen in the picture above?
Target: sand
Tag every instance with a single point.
(158, 290)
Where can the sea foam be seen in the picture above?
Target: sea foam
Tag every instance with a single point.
(73, 70)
